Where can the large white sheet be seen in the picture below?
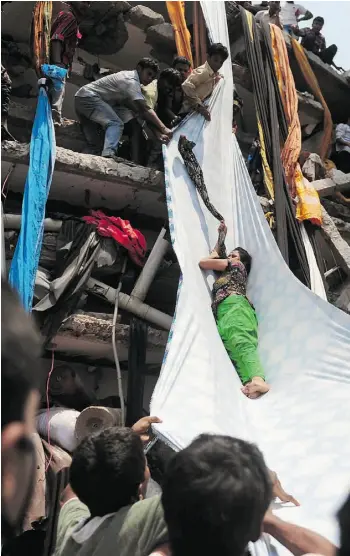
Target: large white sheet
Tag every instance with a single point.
(303, 424)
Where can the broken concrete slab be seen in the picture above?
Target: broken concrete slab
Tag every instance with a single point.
(327, 186)
(90, 334)
(161, 35)
(143, 17)
(20, 122)
(343, 301)
(92, 181)
(337, 243)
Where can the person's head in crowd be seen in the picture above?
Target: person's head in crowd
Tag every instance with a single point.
(182, 65)
(20, 382)
(215, 495)
(109, 470)
(148, 69)
(274, 8)
(217, 54)
(318, 24)
(344, 525)
(168, 80)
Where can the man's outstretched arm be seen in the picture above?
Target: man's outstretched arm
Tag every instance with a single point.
(297, 540)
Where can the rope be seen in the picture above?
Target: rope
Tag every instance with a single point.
(114, 344)
(48, 407)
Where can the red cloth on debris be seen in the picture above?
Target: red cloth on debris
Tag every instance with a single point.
(122, 232)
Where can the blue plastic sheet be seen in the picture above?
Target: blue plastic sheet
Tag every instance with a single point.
(41, 165)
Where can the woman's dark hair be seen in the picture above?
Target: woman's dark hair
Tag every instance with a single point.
(245, 258)
(150, 63)
(181, 60)
(218, 48)
(172, 76)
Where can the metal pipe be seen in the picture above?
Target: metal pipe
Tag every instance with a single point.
(148, 273)
(13, 222)
(114, 345)
(131, 304)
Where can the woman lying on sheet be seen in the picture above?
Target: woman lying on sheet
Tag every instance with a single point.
(235, 316)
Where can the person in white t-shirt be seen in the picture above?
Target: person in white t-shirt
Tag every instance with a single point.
(290, 15)
(112, 101)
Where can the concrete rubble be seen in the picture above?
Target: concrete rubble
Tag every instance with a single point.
(91, 166)
(143, 17)
(161, 36)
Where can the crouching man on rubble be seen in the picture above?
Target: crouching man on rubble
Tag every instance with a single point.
(112, 101)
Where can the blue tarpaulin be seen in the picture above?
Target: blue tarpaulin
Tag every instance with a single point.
(41, 165)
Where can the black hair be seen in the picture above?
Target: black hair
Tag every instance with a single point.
(320, 19)
(172, 76)
(150, 63)
(215, 495)
(245, 258)
(218, 48)
(107, 470)
(181, 60)
(344, 526)
(20, 350)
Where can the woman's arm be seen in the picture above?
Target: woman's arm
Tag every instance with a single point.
(210, 263)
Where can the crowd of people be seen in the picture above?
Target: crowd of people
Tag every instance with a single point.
(216, 493)
(287, 16)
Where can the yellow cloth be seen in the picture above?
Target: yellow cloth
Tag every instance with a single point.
(308, 202)
(176, 11)
(311, 80)
(150, 92)
(199, 85)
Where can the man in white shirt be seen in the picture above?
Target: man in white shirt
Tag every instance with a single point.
(290, 15)
(112, 101)
(342, 146)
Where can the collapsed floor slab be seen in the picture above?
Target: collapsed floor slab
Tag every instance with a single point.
(92, 181)
(90, 335)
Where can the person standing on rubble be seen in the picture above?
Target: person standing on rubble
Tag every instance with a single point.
(64, 40)
(290, 15)
(313, 41)
(342, 145)
(201, 82)
(112, 101)
(236, 319)
(271, 15)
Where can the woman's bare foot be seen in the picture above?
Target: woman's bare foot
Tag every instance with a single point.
(256, 388)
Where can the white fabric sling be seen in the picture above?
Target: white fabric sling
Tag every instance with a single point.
(303, 424)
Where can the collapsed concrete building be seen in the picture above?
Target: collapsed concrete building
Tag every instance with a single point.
(116, 36)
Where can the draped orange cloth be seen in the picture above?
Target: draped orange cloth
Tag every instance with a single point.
(41, 34)
(311, 80)
(308, 202)
(176, 11)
